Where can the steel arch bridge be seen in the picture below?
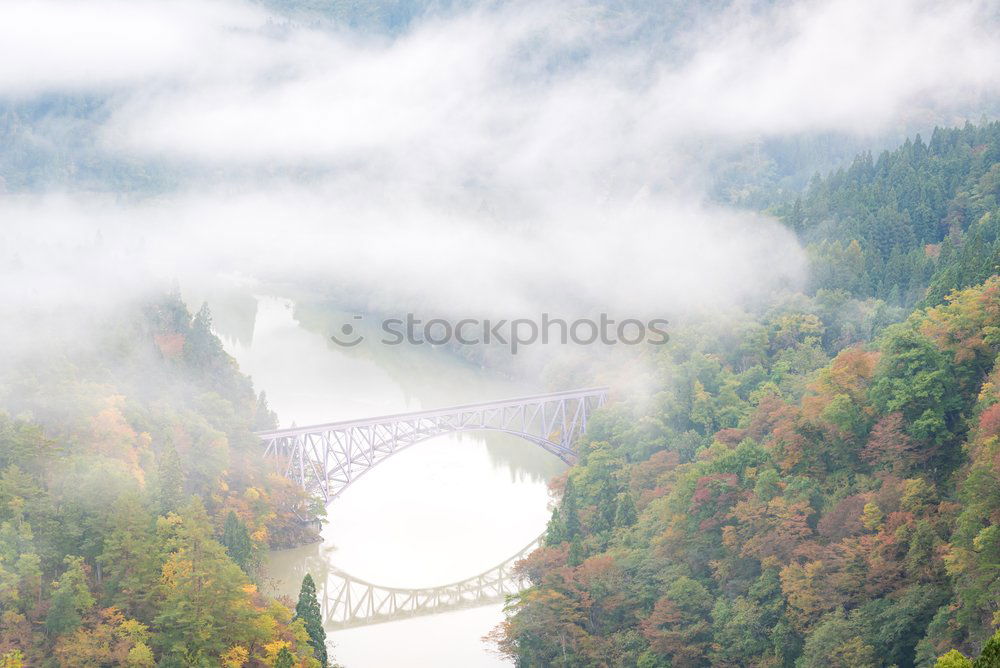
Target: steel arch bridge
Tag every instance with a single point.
(348, 602)
(326, 458)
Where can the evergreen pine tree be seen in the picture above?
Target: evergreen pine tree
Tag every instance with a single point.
(796, 219)
(555, 531)
(236, 538)
(307, 609)
(606, 508)
(131, 558)
(575, 557)
(201, 345)
(570, 514)
(171, 480)
(263, 417)
(625, 515)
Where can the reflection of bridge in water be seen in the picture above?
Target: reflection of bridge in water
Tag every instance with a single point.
(327, 458)
(349, 602)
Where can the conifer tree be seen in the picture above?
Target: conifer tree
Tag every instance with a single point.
(308, 610)
(575, 557)
(201, 347)
(554, 532)
(237, 541)
(625, 514)
(171, 480)
(606, 508)
(569, 512)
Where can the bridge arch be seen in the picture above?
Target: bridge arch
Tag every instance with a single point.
(325, 459)
(348, 602)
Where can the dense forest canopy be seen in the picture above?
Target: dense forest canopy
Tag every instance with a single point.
(816, 486)
(924, 215)
(807, 475)
(812, 482)
(135, 507)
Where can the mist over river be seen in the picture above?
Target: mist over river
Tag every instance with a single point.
(438, 512)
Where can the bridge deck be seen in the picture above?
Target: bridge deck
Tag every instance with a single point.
(434, 412)
(329, 457)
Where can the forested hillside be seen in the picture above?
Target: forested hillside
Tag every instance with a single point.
(814, 485)
(405, 205)
(924, 214)
(134, 506)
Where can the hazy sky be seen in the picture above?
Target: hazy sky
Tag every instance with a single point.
(522, 156)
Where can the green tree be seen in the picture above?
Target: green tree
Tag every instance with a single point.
(555, 530)
(263, 417)
(916, 379)
(171, 479)
(236, 540)
(23, 444)
(625, 514)
(202, 348)
(132, 558)
(607, 506)
(569, 511)
(836, 643)
(285, 659)
(307, 609)
(20, 565)
(990, 656)
(204, 607)
(575, 557)
(71, 599)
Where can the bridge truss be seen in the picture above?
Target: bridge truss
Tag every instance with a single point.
(325, 459)
(349, 602)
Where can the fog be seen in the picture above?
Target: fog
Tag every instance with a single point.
(508, 159)
(314, 168)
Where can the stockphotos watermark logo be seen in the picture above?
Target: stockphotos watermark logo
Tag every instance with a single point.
(515, 333)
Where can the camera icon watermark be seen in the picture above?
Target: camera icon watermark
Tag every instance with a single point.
(515, 333)
(349, 336)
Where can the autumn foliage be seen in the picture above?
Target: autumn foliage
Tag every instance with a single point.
(853, 521)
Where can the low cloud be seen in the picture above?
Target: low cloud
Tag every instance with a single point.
(650, 258)
(522, 156)
(530, 93)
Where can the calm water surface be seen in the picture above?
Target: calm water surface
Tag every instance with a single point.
(441, 511)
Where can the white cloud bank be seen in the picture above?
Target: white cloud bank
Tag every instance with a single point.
(521, 154)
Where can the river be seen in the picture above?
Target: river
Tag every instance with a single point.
(441, 511)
